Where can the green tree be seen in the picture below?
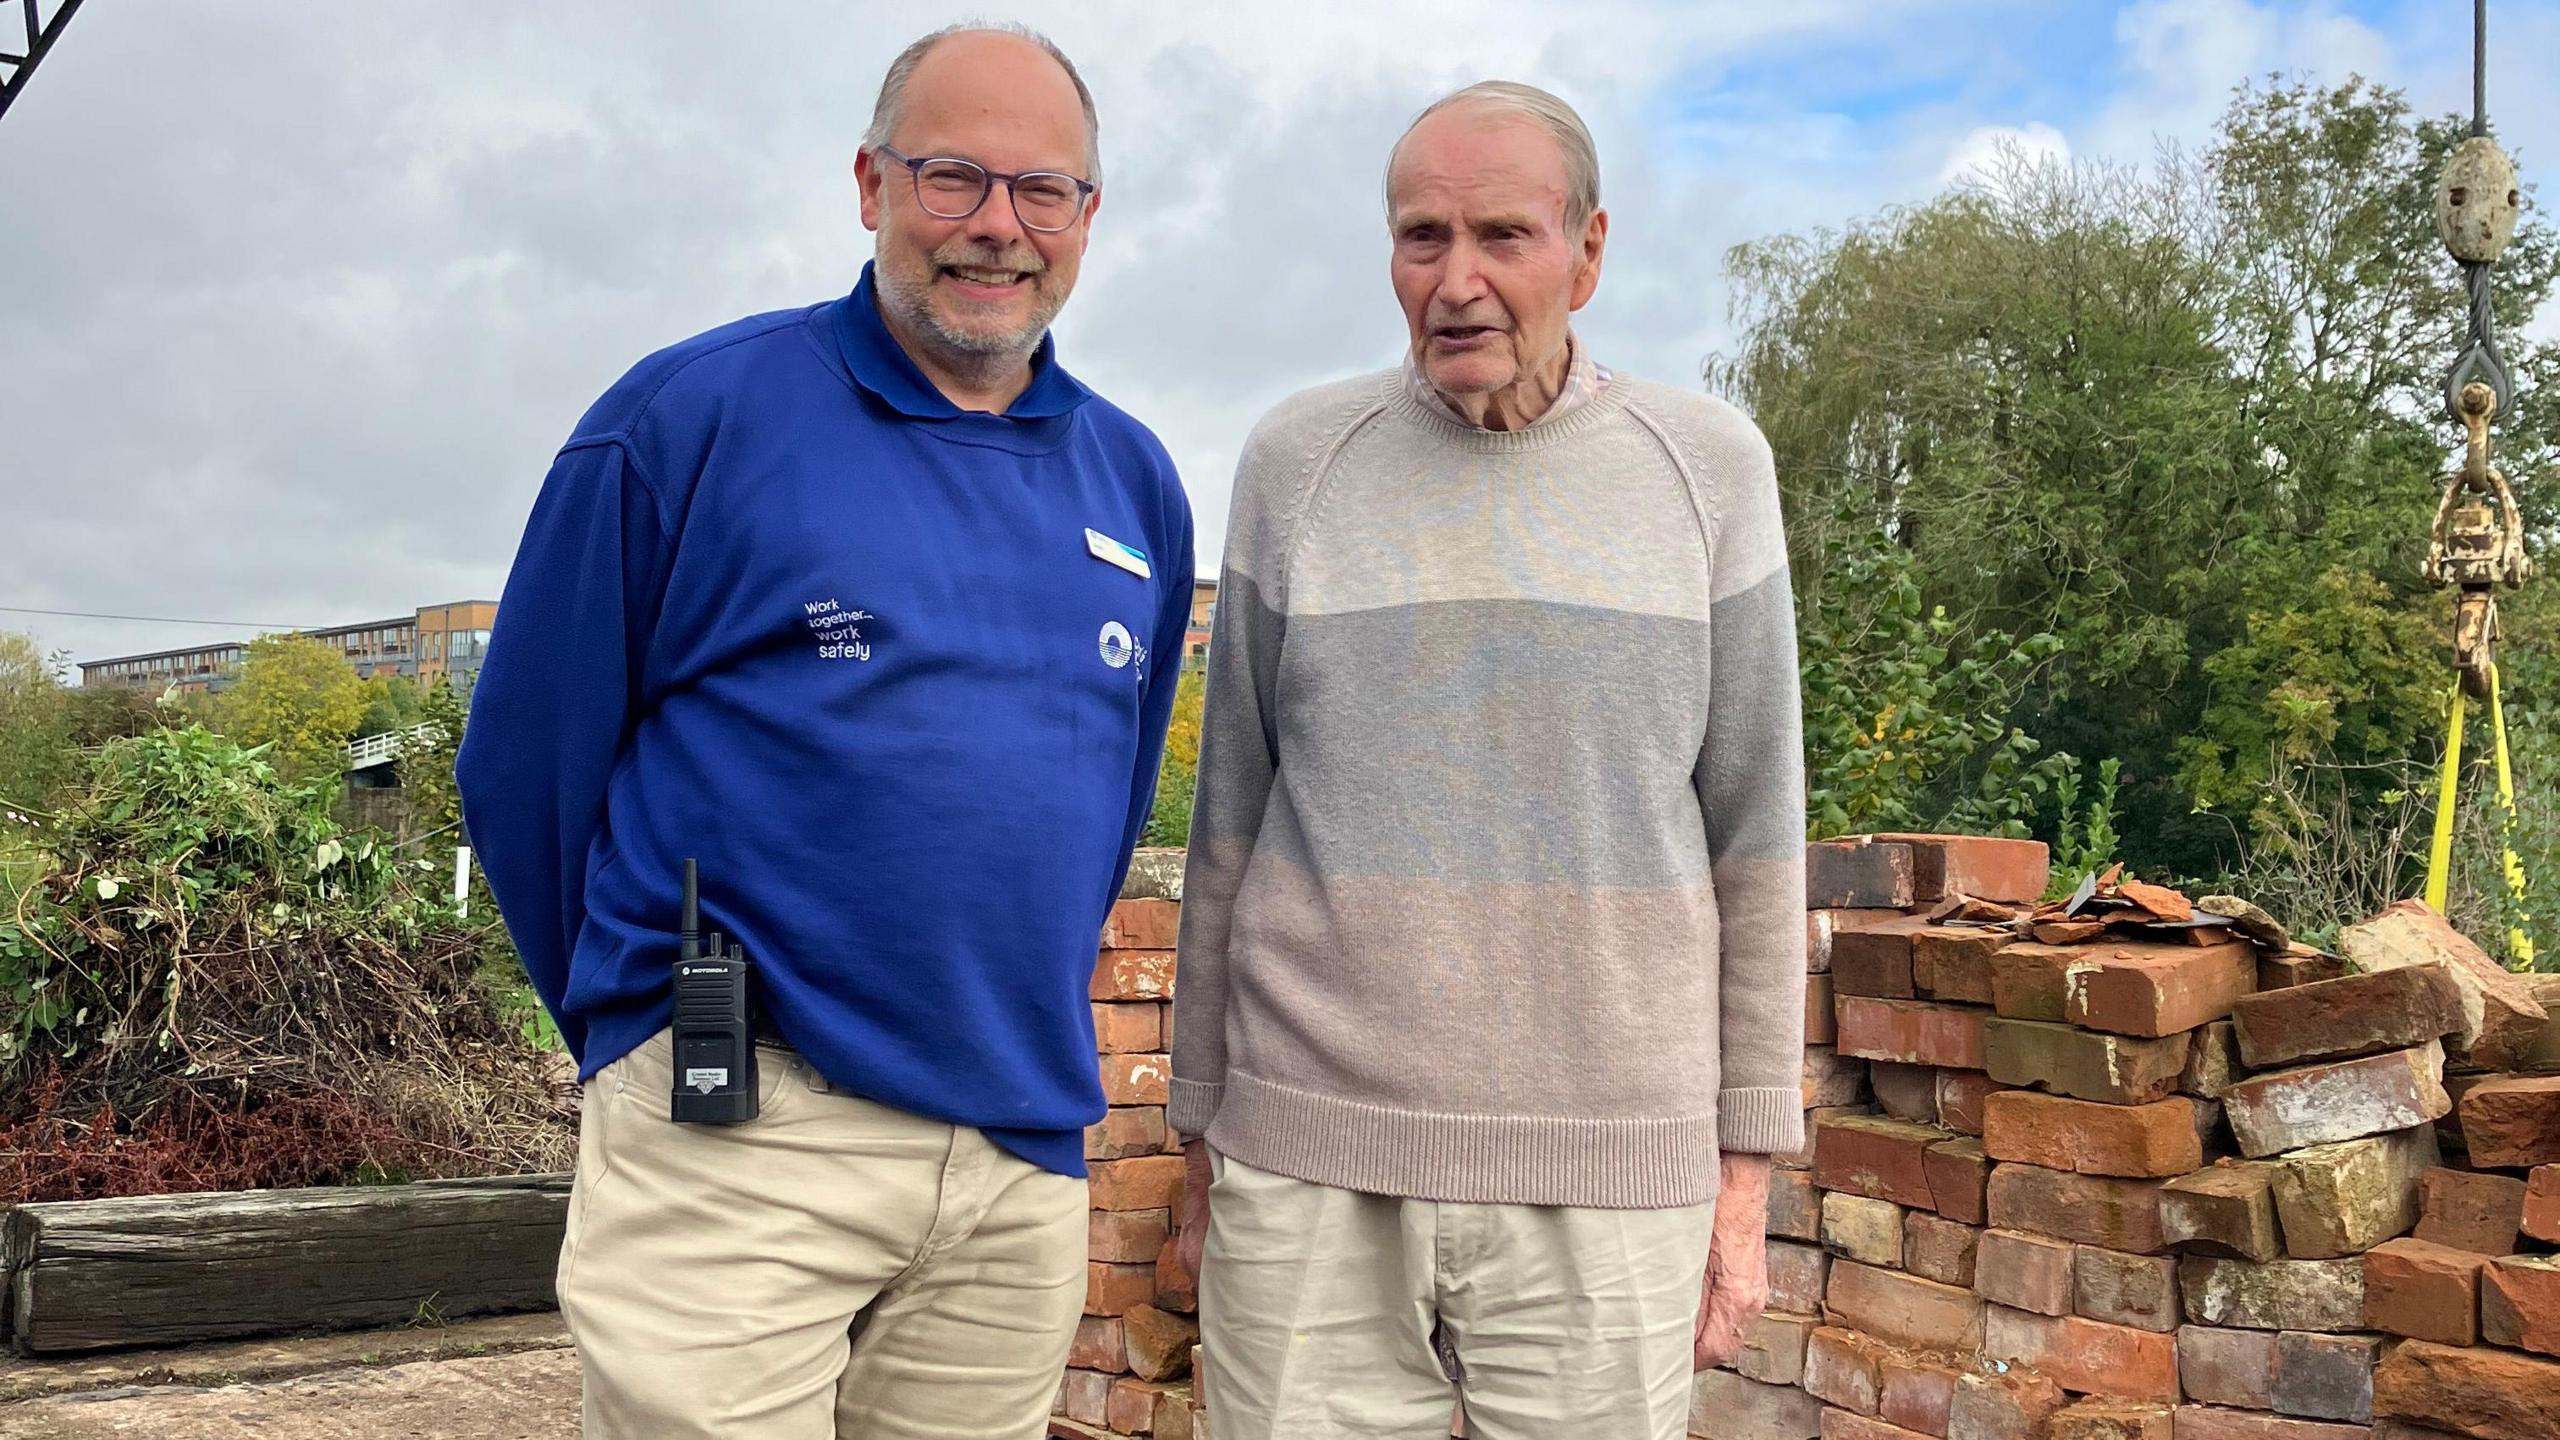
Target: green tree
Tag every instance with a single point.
(2181, 418)
(391, 703)
(299, 697)
(36, 749)
(426, 763)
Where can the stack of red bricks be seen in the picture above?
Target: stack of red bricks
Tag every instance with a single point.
(1128, 1374)
(2152, 1184)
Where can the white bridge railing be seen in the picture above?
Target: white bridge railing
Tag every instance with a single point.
(384, 748)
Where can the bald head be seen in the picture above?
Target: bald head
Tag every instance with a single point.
(1009, 60)
(1508, 102)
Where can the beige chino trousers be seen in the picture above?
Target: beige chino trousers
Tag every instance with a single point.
(1328, 1314)
(832, 1270)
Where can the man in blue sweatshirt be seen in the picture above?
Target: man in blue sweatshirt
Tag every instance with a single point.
(878, 612)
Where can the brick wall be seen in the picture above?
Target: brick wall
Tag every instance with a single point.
(2128, 1178)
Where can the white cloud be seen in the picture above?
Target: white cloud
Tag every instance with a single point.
(1986, 148)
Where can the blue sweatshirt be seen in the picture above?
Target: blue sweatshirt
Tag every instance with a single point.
(896, 673)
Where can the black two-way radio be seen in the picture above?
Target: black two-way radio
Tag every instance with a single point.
(715, 1045)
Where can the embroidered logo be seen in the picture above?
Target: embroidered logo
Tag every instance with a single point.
(839, 630)
(1119, 647)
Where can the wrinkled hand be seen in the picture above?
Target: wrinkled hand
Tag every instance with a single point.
(1194, 1218)
(1737, 1287)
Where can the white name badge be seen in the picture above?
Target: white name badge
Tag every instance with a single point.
(1112, 552)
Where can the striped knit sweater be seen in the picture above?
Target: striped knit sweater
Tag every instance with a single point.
(1496, 886)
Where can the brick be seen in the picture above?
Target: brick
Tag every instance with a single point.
(1879, 1158)
(2323, 1295)
(1917, 1394)
(1953, 962)
(1773, 1346)
(2024, 1272)
(2106, 1419)
(1815, 1118)
(2387, 1429)
(1159, 1343)
(1850, 1425)
(2346, 1017)
(2500, 1017)
(2029, 981)
(2542, 1052)
(2520, 1303)
(2347, 1197)
(1151, 1183)
(1085, 1397)
(1874, 959)
(1798, 1275)
(2513, 1121)
(1903, 1309)
(1128, 1029)
(1936, 1248)
(2424, 1291)
(2479, 1392)
(2300, 967)
(1960, 1097)
(1142, 925)
(1857, 1228)
(1725, 1406)
(2340, 1100)
(1124, 975)
(1959, 1179)
(1117, 1289)
(1945, 866)
(1126, 1236)
(1824, 927)
(2471, 1211)
(2091, 1209)
(2136, 1290)
(2228, 1367)
(2086, 1355)
(1137, 1079)
(1177, 1289)
(1914, 1032)
(2137, 1141)
(2229, 1211)
(2213, 1061)
(2156, 990)
(1907, 1092)
(1128, 1133)
(2203, 1422)
(1173, 1417)
(2003, 1405)
(1131, 1409)
(1846, 1369)
(1820, 1028)
(2540, 1217)
(1098, 1345)
(1857, 875)
(2084, 1064)
(2326, 1377)
(1831, 1078)
(1795, 1205)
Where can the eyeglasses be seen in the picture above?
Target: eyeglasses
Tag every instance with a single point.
(948, 189)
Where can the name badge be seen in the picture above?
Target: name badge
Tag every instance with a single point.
(1112, 552)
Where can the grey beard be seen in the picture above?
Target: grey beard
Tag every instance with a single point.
(987, 352)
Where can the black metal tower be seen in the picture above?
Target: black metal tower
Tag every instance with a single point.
(16, 66)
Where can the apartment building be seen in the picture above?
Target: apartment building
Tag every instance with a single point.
(433, 642)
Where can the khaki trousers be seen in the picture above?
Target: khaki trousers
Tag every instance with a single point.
(833, 1268)
(1328, 1313)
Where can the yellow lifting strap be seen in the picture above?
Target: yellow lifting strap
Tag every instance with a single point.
(2440, 854)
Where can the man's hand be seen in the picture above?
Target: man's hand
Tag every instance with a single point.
(1737, 1261)
(1194, 1218)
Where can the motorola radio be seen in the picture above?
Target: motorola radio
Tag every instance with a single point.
(715, 1045)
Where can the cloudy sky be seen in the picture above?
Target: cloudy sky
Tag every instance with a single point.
(296, 299)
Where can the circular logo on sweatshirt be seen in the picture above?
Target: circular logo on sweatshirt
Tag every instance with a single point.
(1118, 646)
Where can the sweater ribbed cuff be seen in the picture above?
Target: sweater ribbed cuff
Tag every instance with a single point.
(1760, 1120)
(1192, 1106)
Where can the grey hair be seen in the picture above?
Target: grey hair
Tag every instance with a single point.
(892, 105)
(1551, 114)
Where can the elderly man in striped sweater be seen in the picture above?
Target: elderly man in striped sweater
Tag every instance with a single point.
(1493, 946)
